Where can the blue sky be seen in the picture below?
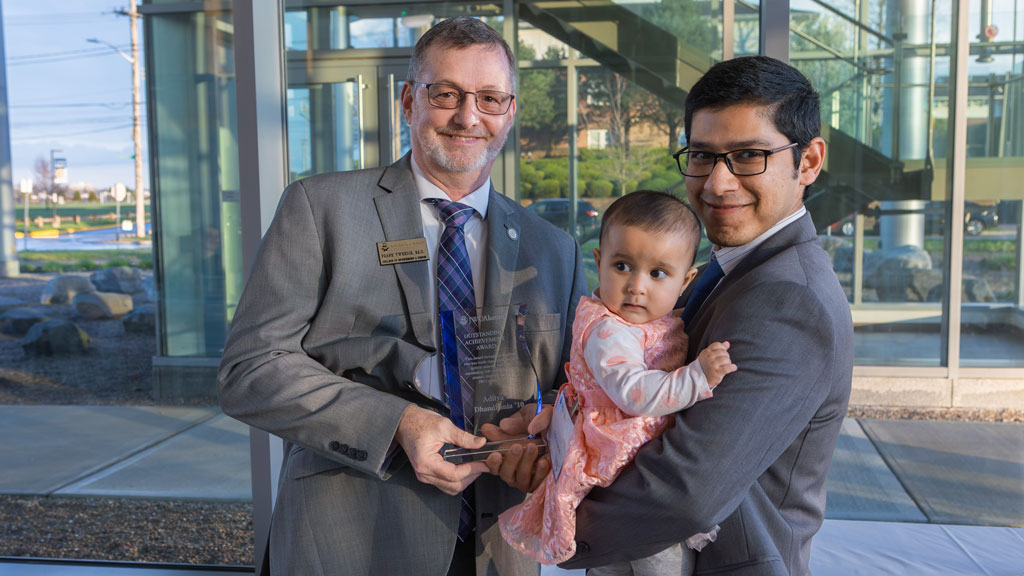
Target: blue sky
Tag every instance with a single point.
(66, 93)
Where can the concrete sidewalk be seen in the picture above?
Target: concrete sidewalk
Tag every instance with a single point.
(921, 473)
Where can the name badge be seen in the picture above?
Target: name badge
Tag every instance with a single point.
(559, 433)
(402, 251)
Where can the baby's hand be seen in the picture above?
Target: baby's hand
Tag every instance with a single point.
(715, 362)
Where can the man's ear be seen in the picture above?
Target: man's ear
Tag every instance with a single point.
(406, 100)
(597, 257)
(690, 274)
(811, 161)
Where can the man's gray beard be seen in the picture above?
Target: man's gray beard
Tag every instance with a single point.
(437, 153)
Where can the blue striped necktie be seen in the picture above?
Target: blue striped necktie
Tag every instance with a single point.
(708, 280)
(455, 293)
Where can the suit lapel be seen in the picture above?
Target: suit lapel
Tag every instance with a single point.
(502, 251)
(399, 212)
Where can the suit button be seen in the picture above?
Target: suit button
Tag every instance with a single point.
(361, 455)
(582, 547)
(344, 449)
(334, 445)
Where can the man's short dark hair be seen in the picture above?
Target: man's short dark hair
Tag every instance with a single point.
(655, 212)
(790, 100)
(459, 33)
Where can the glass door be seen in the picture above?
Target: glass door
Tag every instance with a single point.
(345, 117)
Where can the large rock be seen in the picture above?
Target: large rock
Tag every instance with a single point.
(9, 303)
(102, 305)
(18, 321)
(884, 269)
(63, 289)
(909, 285)
(831, 244)
(55, 337)
(977, 290)
(120, 279)
(149, 285)
(141, 320)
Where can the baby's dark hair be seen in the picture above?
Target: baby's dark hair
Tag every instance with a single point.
(656, 212)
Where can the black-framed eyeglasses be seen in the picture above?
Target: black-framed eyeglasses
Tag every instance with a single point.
(744, 162)
(450, 97)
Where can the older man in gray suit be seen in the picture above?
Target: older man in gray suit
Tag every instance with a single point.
(334, 344)
(754, 458)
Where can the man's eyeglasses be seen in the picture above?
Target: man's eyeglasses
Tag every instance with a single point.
(450, 97)
(745, 162)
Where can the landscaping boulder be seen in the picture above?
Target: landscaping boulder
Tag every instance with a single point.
(119, 279)
(141, 320)
(831, 244)
(149, 285)
(977, 290)
(885, 270)
(102, 305)
(55, 337)
(9, 303)
(909, 285)
(63, 289)
(18, 321)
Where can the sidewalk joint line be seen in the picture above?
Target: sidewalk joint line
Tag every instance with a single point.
(99, 468)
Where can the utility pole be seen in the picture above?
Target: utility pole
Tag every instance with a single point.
(140, 200)
(9, 265)
(133, 59)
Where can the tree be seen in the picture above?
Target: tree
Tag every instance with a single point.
(665, 115)
(42, 176)
(542, 97)
(617, 104)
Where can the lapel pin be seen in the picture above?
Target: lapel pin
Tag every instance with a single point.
(512, 233)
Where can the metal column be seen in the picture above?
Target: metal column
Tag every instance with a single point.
(263, 169)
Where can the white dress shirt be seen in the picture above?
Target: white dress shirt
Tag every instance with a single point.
(730, 257)
(428, 374)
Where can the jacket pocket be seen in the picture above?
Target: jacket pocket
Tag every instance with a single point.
(303, 462)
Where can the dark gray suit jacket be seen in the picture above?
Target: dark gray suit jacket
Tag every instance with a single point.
(323, 351)
(753, 458)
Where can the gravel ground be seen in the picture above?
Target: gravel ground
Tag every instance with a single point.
(118, 371)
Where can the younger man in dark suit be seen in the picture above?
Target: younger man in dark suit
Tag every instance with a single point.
(753, 459)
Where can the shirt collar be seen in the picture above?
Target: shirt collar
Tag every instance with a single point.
(477, 199)
(730, 257)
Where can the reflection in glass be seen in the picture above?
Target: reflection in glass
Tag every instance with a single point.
(882, 199)
(992, 312)
(323, 129)
(196, 181)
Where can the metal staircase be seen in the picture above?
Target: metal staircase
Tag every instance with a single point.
(665, 65)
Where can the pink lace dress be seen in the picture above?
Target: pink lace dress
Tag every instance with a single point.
(605, 438)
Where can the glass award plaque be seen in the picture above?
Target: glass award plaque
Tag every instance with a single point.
(488, 371)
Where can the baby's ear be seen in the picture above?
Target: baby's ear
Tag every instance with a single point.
(597, 258)
(686, 281)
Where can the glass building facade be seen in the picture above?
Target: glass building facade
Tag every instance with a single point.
(601, 93)
(919, 205)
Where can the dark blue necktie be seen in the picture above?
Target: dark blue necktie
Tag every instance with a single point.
(455, 293)
(707, 282)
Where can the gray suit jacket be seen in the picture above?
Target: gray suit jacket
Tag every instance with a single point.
(754, 458)
(323, 350)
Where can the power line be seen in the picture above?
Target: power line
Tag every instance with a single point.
(54, 60)
(75, 105)
(64, 134)
(62, 53)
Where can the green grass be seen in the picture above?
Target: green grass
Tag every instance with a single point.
(92, 215)
(82, 260)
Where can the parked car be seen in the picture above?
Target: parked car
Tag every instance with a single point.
(556, 211)
(977, 218)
